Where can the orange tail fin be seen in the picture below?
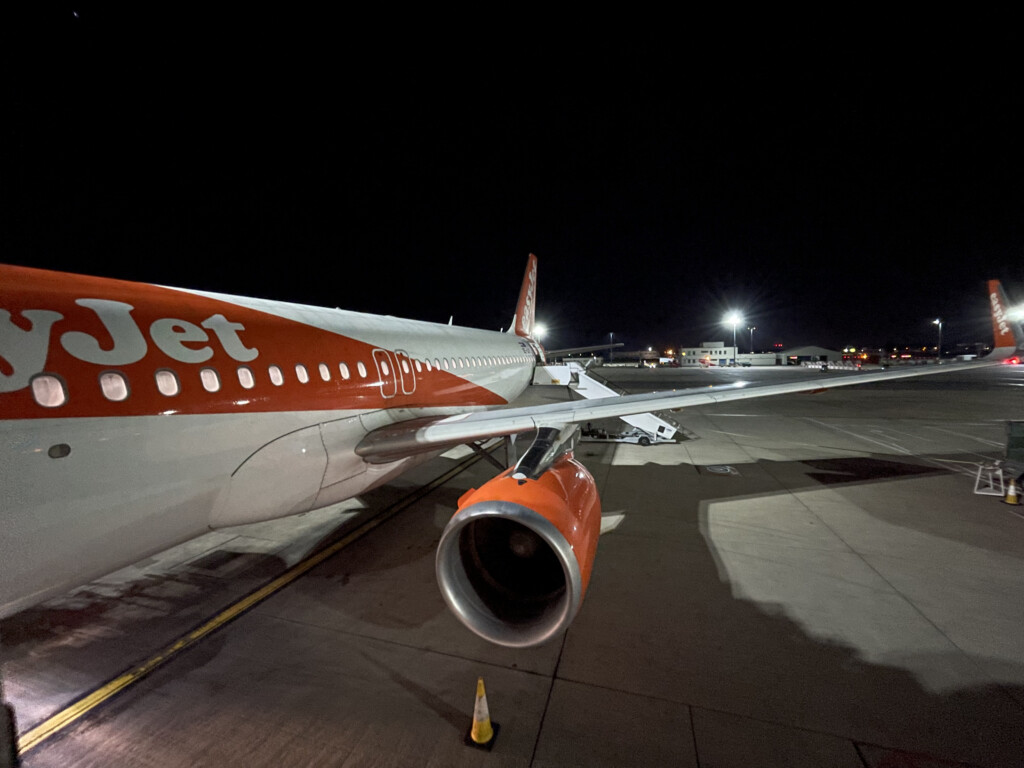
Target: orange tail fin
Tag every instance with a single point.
(1007, 332)
(523, 324)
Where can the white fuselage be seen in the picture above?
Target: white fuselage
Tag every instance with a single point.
(93, 483)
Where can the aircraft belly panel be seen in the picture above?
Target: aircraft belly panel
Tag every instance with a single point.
(339, 439)
(282, 478)
(83, 497)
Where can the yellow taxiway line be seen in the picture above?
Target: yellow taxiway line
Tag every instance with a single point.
(53, 725)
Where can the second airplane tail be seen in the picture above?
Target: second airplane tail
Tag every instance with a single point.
(1007, 332)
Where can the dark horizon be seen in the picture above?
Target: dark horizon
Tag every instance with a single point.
(845, 203)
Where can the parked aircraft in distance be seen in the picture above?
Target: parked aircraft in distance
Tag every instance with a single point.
(1003, 325)
(134, 417)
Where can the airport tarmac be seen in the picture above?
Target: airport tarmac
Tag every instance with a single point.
(809, 580)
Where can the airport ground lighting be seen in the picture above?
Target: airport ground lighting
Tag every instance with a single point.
(938, 352)
(752, 328)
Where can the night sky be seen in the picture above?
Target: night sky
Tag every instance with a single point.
(389, 167)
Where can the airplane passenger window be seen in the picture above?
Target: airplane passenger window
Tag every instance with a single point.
(301, 373)
(445, 361)
(167, 383)
(210, 379)
(459, 361)
(245, 377)
(361, 368)
(344, 371)
(419, 367)
(384, 368)
(276, 376)
(437, 364)
(405, 366)
(49, 391)
(325, 372)
(114, 386)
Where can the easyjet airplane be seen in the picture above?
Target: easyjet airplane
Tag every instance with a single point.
(134, 417)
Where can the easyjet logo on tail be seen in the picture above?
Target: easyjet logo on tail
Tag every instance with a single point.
(1000, 322)
(24, 350)
(527, 298)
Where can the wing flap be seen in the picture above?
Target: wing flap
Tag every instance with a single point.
(430, 434)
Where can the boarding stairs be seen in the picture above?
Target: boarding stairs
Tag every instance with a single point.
(590, 386)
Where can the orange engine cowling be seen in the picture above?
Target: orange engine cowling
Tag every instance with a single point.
(514, 562)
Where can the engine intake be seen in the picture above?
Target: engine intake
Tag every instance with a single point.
(514, 562)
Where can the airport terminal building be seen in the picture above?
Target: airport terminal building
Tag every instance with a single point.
(708, 353)
(716, 353)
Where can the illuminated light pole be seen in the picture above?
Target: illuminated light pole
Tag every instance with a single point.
(611, 345)
(733, 319)
(938, 353)
(752, 329)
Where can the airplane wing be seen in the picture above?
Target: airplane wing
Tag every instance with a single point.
(428, 434)
(553, 353)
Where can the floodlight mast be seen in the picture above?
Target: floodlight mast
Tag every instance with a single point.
(733, 319)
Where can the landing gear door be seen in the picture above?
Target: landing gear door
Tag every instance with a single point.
(385, 363)
(406, 372)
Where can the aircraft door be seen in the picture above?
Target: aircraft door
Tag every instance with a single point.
(406, 371)
(385, 363)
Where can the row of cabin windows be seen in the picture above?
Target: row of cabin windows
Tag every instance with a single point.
(49, 390)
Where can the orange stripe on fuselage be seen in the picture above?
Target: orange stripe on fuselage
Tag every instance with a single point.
(161, 326)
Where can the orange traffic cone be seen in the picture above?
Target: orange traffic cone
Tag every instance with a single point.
(482, 733)
(1012, 494)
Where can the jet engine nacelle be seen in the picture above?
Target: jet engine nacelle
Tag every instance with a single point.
(514, 562)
